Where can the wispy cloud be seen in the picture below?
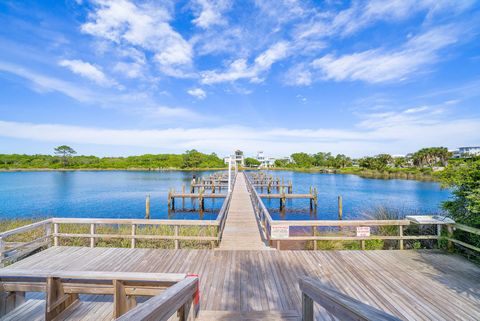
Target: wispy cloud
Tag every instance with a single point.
(210, 12)
(140, 103)
(198, 93)
(381, 65)
(239, 69)
(87, 70)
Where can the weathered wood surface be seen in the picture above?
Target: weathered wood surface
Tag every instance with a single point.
(413, 285)
(241, 231)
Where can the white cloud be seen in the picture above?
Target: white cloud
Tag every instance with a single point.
(239, 68)
(43, 83)
(87, 70)
(390, 132)
(210, 12)
(146, 26)
(139, 103)
(197, 93)
(380, 65)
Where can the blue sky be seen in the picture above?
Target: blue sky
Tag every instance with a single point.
(129, 77)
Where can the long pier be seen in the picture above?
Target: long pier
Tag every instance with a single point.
(241, 231)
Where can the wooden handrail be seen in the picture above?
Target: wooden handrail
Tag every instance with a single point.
(126, 221)
(342, 306)
(26, 228)
(179, 297)
(62, 288)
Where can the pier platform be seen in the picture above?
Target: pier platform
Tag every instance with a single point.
(412, 285)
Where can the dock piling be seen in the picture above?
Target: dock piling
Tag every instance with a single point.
(340, 207)
(147, 207)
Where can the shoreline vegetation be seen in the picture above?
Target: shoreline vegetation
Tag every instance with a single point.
(423, 165)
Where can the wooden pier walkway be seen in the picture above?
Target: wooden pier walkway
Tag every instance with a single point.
(241, 231)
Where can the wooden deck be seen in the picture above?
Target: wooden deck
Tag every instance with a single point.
(241, 231)
(413, 285)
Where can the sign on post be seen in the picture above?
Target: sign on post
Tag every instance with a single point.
(280, 231)
(363, 231)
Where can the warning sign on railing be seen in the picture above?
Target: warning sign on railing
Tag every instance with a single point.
(363, 231)
(280, 231)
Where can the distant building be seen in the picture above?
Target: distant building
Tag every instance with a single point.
(467, 152)
(237, 157)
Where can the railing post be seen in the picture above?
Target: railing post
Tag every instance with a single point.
(450, 236)
(439, 234)
(48, 233)
(2, 252)
(92, 233)
(134, 232)
(400, 230)
(176, 235)
(307, 308)
(55, 234)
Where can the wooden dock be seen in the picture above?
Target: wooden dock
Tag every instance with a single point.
(242, 280)
(412, 285)
(241, 231)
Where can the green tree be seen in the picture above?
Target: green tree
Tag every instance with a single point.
(65, 152)
(192, 159)
(302, 160)
(251, 162)
(280, 163)
(464, 179)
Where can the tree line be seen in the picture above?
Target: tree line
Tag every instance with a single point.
(65, 157)
(423, 158)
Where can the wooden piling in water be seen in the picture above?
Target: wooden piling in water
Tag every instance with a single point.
(147, 207)
(340, 207)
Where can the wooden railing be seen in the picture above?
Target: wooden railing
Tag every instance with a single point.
(342, 306)
(62, 288)
(12, 249)
(270, 226)
(181, 298)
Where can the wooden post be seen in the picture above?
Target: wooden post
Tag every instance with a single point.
(122, 302)
(183, 198)
(400, 230)
(169, 199)
(9, 301)
(362, 244)
(56, 300)
(55, 234)
(48, 233)
(439, 234)
(307, 308)
(176, 235)
(450, 236)
(92, 232)
(134, 232)
(315, 197)
(340, 208)
(147, 207)
(2, 252)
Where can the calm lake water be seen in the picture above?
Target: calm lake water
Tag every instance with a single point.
(121, 194)
(361, 196)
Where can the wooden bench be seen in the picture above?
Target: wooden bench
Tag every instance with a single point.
(62, 288)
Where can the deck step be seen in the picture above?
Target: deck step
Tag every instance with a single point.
(210, 315)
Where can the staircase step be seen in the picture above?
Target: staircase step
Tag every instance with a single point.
(211, 315)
